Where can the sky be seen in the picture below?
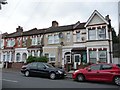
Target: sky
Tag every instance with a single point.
(39, 14)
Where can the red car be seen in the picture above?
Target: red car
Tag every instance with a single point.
(99, 72)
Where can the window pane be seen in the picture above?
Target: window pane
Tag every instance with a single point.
(101, 33)
(95, 67)
(93, 56)
(78, 36)
(40, 65)
(68, 37)
(56, 38)
(92, 34)
(50, 39)
(105, 67)
(102, 56)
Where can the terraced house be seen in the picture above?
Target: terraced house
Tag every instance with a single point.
(65, 46)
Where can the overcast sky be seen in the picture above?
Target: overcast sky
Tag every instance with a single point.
(40, 13)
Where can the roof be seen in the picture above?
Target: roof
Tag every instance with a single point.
(65, 28)
(34, 31)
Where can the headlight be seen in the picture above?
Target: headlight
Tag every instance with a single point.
(76, 71)
(59, 72)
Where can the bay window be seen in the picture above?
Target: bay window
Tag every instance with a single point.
(92, 56)
(102, 56)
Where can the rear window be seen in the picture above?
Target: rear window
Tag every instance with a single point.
(118, 65)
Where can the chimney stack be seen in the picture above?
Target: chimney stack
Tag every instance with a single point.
(19, 29)
(55, 24)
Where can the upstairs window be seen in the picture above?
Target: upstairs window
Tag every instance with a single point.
(92, 34)
(101, 33)
(50, 39)
(34, 40)
(77, 36)
(56, 38)
(68, 37)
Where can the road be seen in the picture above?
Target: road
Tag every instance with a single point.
(18, 80)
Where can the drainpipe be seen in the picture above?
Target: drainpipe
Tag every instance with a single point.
(110, 41)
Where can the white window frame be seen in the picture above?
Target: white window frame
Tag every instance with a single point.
(78, 36)
(103, 33)
(52, 55)
(68, 37)
(56, 38)
(50, 39)
(93, 55)
(66, 58)
(105, 52)
(91, 35)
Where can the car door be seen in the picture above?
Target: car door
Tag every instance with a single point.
(33, 68)
(42, 69)
(106, 72)
(93, 72)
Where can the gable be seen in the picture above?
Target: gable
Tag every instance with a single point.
(96, 20)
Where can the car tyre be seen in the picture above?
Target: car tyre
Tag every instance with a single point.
(80, 78)
(117, 80)
(27, 73)
(52, 75)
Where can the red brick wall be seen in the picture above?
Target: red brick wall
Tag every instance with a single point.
(17, 65)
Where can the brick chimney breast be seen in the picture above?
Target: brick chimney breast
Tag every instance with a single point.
(19, 29)
(55, 24)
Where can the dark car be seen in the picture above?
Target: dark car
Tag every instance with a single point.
(99, 72)
(42, 69)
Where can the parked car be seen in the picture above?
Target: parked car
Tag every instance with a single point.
(99, 72)
(42, 69)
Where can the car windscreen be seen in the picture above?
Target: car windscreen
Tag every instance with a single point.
(118, 65)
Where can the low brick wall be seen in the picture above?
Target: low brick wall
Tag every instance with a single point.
(17, 65)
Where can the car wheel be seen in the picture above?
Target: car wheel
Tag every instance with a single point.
(80, 78)
(117, 80)
(27, 73)
(52, 75)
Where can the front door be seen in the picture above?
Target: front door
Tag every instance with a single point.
(77, 60)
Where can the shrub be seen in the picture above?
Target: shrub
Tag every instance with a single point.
(37, 59)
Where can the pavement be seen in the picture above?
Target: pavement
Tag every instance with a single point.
(14, 70)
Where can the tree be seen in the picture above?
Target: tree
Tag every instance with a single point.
(114, 37)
